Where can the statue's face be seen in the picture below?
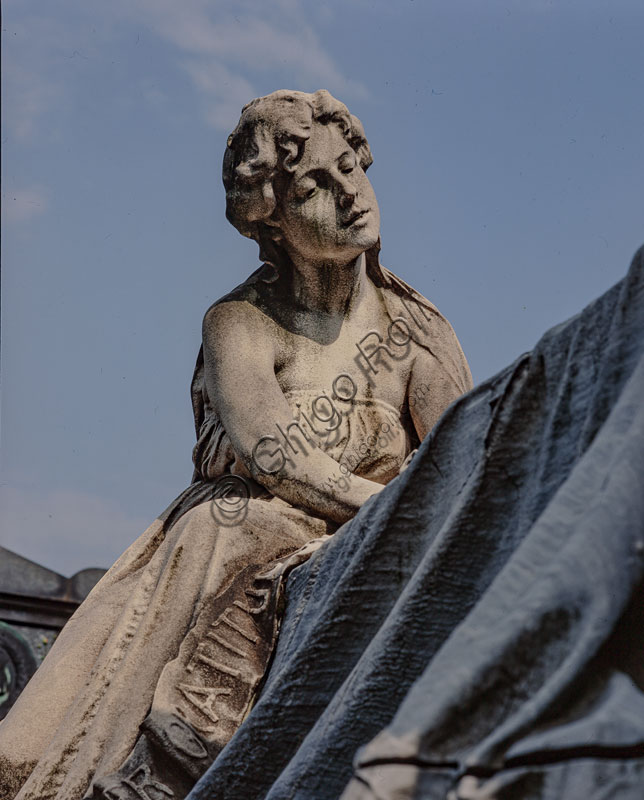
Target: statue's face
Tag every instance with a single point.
(328, 210)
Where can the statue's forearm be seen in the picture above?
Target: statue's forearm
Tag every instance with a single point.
(314, 481)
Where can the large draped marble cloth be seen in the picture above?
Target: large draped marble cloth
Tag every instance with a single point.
(483, 615)
(146, 620)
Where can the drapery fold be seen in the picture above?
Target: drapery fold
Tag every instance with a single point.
(477, 628)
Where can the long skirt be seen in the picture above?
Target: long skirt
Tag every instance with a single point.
(127, 645)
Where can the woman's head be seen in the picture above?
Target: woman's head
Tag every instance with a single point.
(294, 177)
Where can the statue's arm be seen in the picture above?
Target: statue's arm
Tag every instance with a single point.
(239, 363)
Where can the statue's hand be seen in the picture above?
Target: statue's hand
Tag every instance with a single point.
(407, 461)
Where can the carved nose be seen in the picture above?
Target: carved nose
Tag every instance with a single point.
(347, 192)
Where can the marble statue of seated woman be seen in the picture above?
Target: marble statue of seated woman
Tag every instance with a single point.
(317, 378)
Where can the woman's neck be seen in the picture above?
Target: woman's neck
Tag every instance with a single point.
(328, 288)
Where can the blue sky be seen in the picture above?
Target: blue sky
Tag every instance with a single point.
(509, 166)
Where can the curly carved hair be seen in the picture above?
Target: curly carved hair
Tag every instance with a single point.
(268, 143)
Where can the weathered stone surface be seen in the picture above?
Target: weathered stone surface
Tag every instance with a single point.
(317, 378)
(476, 631)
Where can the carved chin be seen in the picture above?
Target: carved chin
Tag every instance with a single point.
(365, 236)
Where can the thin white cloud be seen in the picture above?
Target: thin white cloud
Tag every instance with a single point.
(231, 45)
(225, 92)
(22, 205)
(31, 89)
(227, 48)
(29, 95)
(65, 530)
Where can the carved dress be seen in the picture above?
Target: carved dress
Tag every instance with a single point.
(166, 654)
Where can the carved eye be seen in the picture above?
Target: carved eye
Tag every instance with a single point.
(347, 165)
(306, 190)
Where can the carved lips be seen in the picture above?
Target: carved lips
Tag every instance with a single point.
(357, 216)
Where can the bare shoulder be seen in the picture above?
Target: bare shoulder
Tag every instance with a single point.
(236, 321)
(236, 314)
